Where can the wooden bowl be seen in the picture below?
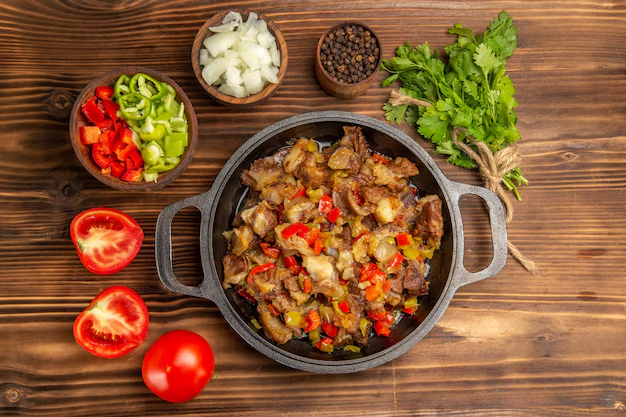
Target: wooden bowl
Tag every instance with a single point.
(83, 152)
(341, 89)
(225, 99)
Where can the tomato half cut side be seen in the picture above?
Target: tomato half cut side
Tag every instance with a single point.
(114, 324)
(107, 240)
(178, 366)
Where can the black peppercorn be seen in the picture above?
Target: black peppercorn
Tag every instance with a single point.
(349, 53)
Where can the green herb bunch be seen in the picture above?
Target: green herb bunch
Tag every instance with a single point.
(471, 93)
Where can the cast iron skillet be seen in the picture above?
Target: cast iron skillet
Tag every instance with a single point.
(218, 206)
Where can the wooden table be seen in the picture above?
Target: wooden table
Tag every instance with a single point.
(514, 344)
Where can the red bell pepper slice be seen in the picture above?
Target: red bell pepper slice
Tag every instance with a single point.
(381, 329)
(372, 292)
(410, 311)
(343, 306)
(258, 269)
(106, 124)
(293, 229)
(124, 153)
(99, 158)
(132, 175)
(247, 296)
(402, 239)
(312, 321)
(325, 204)
(126, 135)
(377, 315)
(111, 108)
(92, 112)
(273, 310)
(330, 329)
(307, 285)
(135, 156)
(334, 215)
(378, 158)
(325, 345)
(395, 263)
(270, 251)
(371, 273)
(386, 286)
(106, 142)
(104, 92)
(117, 169)
(301, 192)
(312, 235)
(89, 135)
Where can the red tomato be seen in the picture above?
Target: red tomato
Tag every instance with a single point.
(114, 324)
(178, 366)
(107, 240)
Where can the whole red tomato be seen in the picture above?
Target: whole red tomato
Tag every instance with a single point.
(178, 366)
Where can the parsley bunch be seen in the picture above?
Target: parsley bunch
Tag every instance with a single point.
(472, 91)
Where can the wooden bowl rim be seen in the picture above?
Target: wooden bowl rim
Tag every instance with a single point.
(83, 152)
(269, 89)
(364, 83)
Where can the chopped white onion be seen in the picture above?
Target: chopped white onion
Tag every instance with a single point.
(240, 57)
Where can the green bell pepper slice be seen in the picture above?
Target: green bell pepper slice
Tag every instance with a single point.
(121, 86)
(146, 85)
(135, 106)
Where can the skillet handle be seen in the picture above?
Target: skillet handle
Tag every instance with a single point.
(163, 248)
(499, 238)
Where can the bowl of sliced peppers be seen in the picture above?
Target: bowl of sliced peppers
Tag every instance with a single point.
(134, 129)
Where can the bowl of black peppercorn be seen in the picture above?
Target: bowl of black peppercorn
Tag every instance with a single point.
(347, 59)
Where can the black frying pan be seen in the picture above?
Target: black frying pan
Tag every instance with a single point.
(218, 206)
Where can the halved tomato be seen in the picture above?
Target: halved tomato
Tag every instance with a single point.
(114, 324)
(107, 240)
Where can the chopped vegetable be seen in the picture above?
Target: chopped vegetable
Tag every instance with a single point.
(240, 57)
(472, 91)
(258, 269)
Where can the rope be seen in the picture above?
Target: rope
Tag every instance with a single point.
(492, 168)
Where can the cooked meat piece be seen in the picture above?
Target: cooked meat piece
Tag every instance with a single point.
(396, 283)
(356, 302)
(361, 210)
(301, 209)
(403, 168)
(374, 193)
(283, 302)
(344, 260)
(277, 192)
(384, 176)
(388, 230)
(243, 239)
(292, 284)
(353, 138)
(262, 172)
(235, 270)
(345, 159)
(387, 209)
(296, 155)
(273, 326)
(265, 282)
(261, 218)
(363, 338)
(312, 173)
(393, 298)
(414, 281)
(324, 277)
(343, 338)
(252, 201)
(429, 223)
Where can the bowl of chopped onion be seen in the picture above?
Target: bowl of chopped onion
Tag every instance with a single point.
(239, 57)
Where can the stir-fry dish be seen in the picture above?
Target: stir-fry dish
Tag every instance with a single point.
(332, 243)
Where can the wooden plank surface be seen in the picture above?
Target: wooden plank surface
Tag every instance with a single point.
(514, 344)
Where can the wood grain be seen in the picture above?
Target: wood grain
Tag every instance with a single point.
(512, 345)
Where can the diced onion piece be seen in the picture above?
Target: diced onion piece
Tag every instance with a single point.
(237, 91)
(268, 75)
(252, 81)
(214, 70)
(221, 42)
(275, 54)
(226, 27)
(205, 59)
(265, 39)
(233, 76)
